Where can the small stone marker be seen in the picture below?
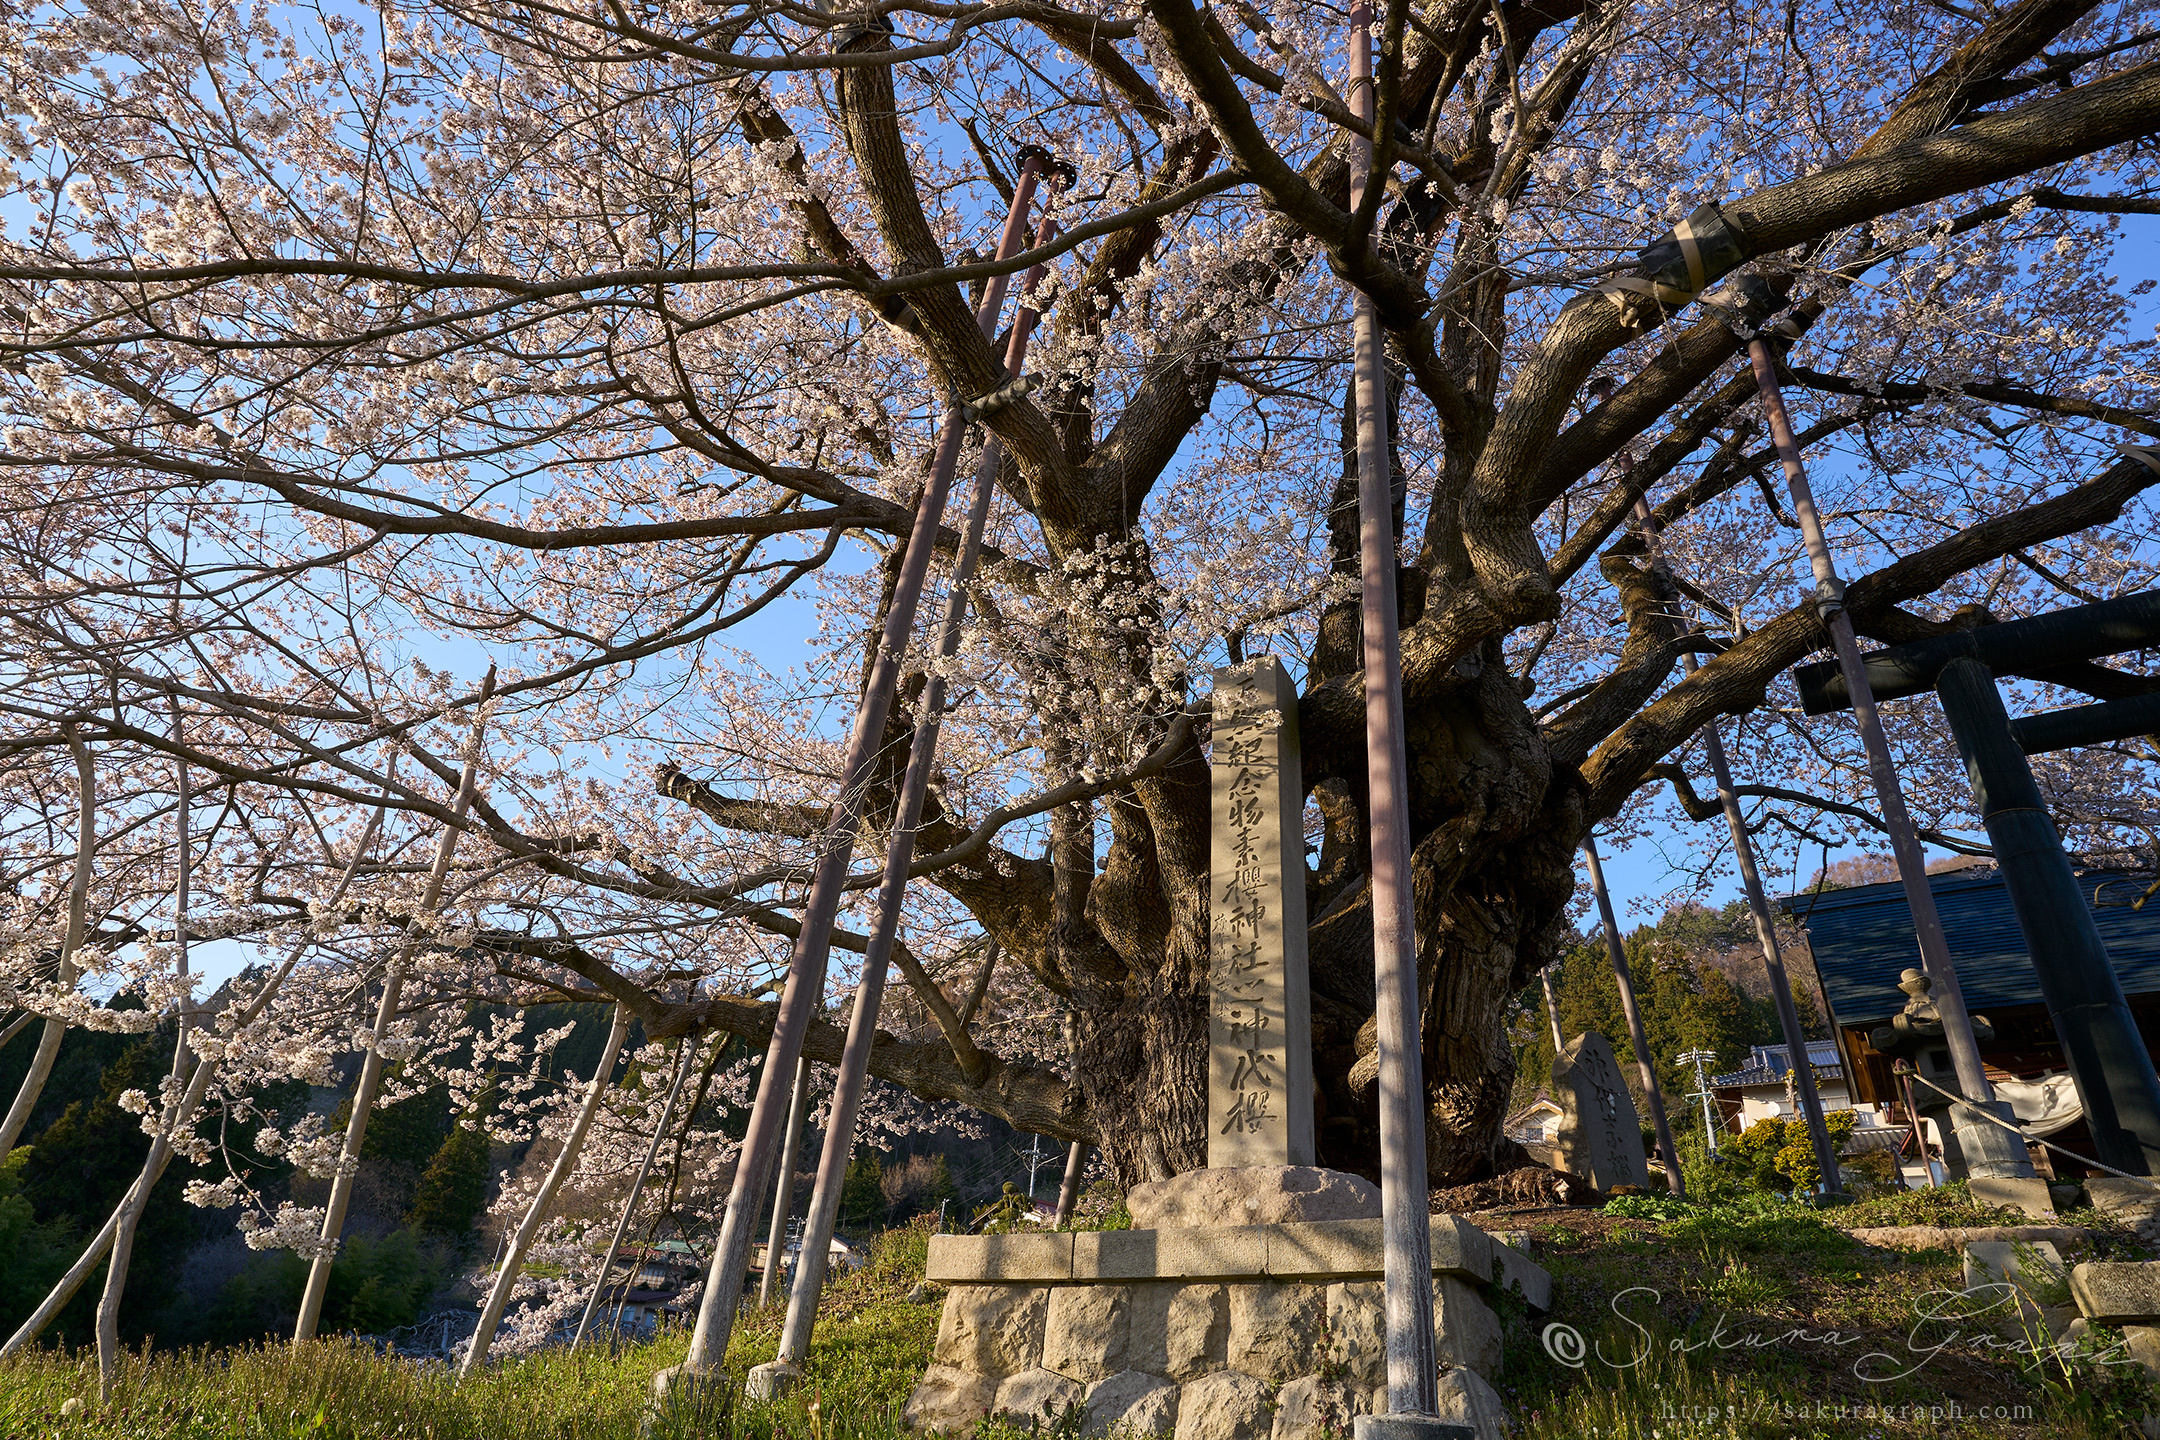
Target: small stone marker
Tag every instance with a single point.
(2117, 1292)
(2009, 1193)
(1600, 1135)
(1259, 1016)
(2033, 1271)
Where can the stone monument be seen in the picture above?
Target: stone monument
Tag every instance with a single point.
(1600, 1135)
(1246, 1301)
(1259, 1017)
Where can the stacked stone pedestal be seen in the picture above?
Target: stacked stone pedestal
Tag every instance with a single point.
(1255, 1332)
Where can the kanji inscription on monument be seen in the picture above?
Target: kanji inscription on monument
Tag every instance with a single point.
(1600, 1135)
(1259, 1018)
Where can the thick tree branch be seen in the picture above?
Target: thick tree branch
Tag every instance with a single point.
(1698, 809)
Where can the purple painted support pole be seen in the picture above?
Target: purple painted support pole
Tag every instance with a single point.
(806, 968)
(1995, 1157)
(1412, 1379)
(854, 1073)
(1803, 1069)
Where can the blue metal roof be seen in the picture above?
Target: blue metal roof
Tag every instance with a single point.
(1862, 938)
(1767, 1064)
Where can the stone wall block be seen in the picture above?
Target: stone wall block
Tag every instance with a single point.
(1085, 1333)
(969, 1259)
(1181, 1331)
(1314, 1408)
(992, 1329)
(1465, 1330)
(1132, 1403)
(1211, 1254)
(1460, 1248)
(1115, 1255)
(1514, 1271)
(1275, 1329)
(1036, 1397)
(2117, 1293)
(1357, 1331)
(949, 1401)
(1465, 1398)
(1226, 1405)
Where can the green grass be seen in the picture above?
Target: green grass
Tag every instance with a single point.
(1737, 1268)
(871, 1348)
(1712, 1321)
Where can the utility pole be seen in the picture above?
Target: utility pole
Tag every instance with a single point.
(1035, 1159)
(1698, 1058)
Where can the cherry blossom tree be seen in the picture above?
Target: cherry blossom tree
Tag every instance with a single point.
(351, 352)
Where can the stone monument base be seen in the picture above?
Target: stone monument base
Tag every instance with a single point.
(1251, 1195)
(1246, 1332)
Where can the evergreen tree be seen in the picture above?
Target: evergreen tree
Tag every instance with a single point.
(453, 1188)
(84, 1161)
(33, 1253)
(862, 1193)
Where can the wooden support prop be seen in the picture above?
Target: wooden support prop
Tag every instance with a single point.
(371, 1064)
(78, 915)
(1069, 1192)
(637, 1187)
(161, 1148)
(783, 1199)
(814, 1257)
(499, 1296)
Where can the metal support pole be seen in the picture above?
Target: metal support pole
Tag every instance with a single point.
(637, 1188)
(1640, 1037)
(1412, 1377)
(1809, 1099)
(853, 1074)
(1911, 862)
(783, 1196)
(2107, 1058)
(806, 969)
